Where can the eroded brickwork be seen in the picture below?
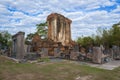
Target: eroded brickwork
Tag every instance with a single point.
(59, 29)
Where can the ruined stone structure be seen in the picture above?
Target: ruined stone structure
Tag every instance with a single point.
(18, 45)
(59, 36)
(59, 29)
(59, 41)
(98, 55)
(45, 46)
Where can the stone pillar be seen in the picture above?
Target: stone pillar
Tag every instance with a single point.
(68, 32)
(18, 45)
(97, 55)
(111, 54)
(116, 52)
(49, 28)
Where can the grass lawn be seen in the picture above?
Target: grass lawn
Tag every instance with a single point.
(65, 70)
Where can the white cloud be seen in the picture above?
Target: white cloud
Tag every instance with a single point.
(117, 9)
(87, 15)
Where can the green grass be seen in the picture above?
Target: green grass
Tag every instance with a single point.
(43, 60)
(65, 70)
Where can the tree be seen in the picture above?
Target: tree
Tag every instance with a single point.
(97, 40)
(85, 41)
(42, 29)
(116, 34)
(29, 38)
(5, 39)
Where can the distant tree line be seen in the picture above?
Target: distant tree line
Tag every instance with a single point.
(105, 37)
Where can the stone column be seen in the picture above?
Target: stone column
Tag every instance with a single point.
(55, 29)
(97, 55)
(18, 45)
(67, 33)
(49, 28)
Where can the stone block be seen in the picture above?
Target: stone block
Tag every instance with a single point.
(74, 55)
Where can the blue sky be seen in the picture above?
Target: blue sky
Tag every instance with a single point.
(86, 15)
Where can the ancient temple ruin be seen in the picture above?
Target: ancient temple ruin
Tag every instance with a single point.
(59, 29)
(59, 44)
(59, 39)
(18, 45)
(59, 36)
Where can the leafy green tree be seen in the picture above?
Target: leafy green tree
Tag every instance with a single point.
(116, 34)
(5, 39)
(112, 36)
(29, 38)
(85, 41)
(97, 40)
(42, 29)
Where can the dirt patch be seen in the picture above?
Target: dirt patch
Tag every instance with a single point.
(89, 77)
(24, 76)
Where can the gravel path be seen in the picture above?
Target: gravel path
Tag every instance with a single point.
(109, 66)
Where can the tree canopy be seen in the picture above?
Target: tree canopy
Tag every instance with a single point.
(42, 29)
(29, 38)
(5, 39)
